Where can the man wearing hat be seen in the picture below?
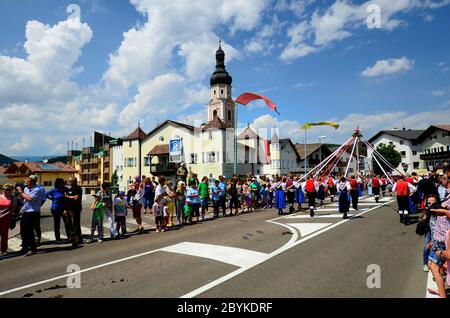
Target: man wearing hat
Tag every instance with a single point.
(31, 212)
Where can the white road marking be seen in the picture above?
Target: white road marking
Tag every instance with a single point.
(431, 284)
(76, 273)
(231, 255)
(319, 216)
(292, 243)
(14, 243)
(361, 204)
(308, 228)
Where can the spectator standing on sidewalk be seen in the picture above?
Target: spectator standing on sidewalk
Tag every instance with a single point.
(440, 236)
(8, 203)
(73, 207)
(31, 211)
(203, 189)
(223, 195)
(105, 197)
(58, 197)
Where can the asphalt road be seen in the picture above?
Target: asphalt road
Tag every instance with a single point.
(253, 255)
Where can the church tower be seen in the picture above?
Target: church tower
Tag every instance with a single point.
(221, 104)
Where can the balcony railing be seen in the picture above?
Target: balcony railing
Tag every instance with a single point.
(165, 169)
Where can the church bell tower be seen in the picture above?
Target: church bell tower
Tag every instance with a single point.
(221, 104)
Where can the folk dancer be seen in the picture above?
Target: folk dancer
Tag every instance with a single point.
(344, 196)
(403, 189)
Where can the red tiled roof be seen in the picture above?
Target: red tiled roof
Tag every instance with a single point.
(443, 127)
(138, 133)
(216, 123)
(159, 150)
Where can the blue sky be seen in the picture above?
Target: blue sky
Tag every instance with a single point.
(149, 60)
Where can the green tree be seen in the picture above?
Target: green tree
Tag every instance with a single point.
(115, 182)
(390, 154)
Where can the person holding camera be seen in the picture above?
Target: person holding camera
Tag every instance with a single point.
(8, 205)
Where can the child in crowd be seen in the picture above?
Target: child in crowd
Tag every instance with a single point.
(187, 211)
(120, 212)
(97, 221)
(165, 209)
(158, 213)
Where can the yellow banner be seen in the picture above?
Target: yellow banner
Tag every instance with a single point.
(322, 123)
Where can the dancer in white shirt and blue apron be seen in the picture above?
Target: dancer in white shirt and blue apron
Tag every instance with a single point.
(343, 189)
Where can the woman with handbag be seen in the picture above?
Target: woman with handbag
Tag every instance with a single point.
(7, 207)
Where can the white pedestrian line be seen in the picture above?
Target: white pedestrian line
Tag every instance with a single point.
(290, 244)
(307, 228)
(231, 255)
(362, 204)
(335, 210)
(431, 284)
(318, 216)
(14, 243)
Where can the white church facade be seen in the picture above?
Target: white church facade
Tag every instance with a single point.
(208, 149)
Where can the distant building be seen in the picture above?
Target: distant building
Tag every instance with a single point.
(315, 153)
(47, 172)
(93, 163)
(435, 144)
(406, 141)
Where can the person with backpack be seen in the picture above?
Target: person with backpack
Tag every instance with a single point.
(310, 187)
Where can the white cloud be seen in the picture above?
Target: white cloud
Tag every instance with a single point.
(369, 124)
(437, 93)
(165, 95)
(296, 6)
(23, 145)
(169, 34)
(389, 66)
(301, 85)
(340, 21)
(263, 41)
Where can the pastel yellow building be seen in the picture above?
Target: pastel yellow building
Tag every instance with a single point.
(47, 172)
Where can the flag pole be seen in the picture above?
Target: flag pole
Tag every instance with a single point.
(306, 160)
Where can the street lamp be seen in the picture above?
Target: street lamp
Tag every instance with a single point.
(320, 147)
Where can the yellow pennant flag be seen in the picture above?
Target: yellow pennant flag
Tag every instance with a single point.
(322, 123)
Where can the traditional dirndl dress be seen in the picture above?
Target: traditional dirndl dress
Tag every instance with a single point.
(299, 195)
(344, 200)
(280, 199)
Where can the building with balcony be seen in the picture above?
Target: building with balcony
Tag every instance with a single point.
(435, 143)
(406, 142)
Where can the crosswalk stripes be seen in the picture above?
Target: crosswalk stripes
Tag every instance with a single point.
(231, 255)
(319, 216)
